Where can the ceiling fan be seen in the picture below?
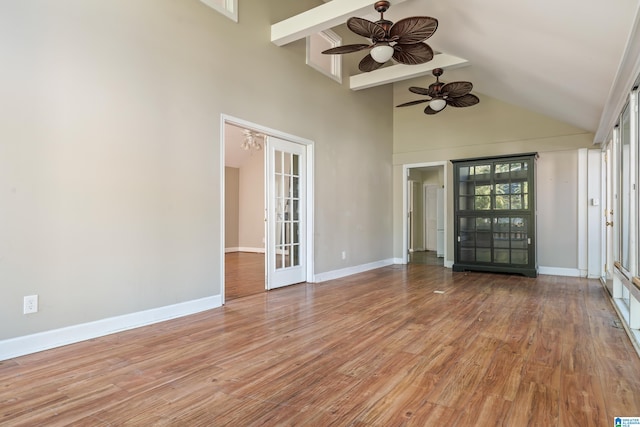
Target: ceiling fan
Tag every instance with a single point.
(442, 94)
(402, 41)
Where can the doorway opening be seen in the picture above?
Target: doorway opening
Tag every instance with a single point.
(424, 219)
(267, 183)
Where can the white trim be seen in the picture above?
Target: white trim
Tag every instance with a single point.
(230, 8)
(405, 181)
(343, 272)
(448, 263)
(309, 144)
(583, 206)
(560, 271)
(334, 40)
(245, 249)
(398, 72)
(322, 17)
(15, 347)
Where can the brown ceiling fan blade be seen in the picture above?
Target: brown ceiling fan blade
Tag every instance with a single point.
(368, 64)
(430, 111)
(412, 54)
(419, 90)
(366, 28)
(407, 104)
(414, 30)
(464, 101)
(456, 89)
(346, 49)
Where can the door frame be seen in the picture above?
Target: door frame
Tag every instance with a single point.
(309, 145)
(405, 207)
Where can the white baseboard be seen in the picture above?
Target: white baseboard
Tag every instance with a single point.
(343, 272)
(245, 249)
(19, 346)
(559, 271)
(448, 263)
(398, 261)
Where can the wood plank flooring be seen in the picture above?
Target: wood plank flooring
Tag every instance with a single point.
(243, 274)
(375, 349)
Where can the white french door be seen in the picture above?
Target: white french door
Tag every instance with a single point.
(286, 213)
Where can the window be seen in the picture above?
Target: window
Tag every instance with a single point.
(329, 65)
(625, 188)
(228, 8)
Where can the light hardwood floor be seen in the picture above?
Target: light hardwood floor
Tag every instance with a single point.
(243, 274)
(375, 349)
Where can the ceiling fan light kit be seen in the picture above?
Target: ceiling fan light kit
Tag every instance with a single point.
(403, 41)
(382, 53)
(437, 104)
(455, 94)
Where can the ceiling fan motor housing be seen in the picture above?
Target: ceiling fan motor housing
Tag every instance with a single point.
(381, 6)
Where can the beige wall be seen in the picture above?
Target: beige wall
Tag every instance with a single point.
(110, 163)
(487, 129)
(231, 206)
(252, 214)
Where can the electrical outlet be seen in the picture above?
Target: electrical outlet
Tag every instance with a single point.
(344, 254)
(30, 304)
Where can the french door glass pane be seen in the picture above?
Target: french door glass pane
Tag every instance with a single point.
(287, 183)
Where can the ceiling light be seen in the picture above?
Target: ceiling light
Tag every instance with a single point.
(249, 142)
(382, 53)
(437, 104)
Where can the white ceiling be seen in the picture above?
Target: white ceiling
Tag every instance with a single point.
(558, 58)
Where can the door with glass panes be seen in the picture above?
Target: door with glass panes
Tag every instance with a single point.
(286, 213)
(495, 216)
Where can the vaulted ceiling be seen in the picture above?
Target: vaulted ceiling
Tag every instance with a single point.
(559, 58)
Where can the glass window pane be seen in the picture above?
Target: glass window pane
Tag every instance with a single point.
(483, 170)
(519, 256)
(296, 210)
(519, 223)
(519, 240)
(466, 203)
(500, 240)
(502, 224)
(483, 202)
(483, 255)
(295, 160)
(464, 173)
(467, 224)
(467, 188)
(467, 254)
(516, 202)
(502, 189)
(502, 202)
(625, 187)
(502, 167)
(483, 190)
(467, 239)
(483, 224)
(295, 255)
(501, 256)
(483, 240)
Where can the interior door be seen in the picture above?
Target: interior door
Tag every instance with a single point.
(286, 213)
